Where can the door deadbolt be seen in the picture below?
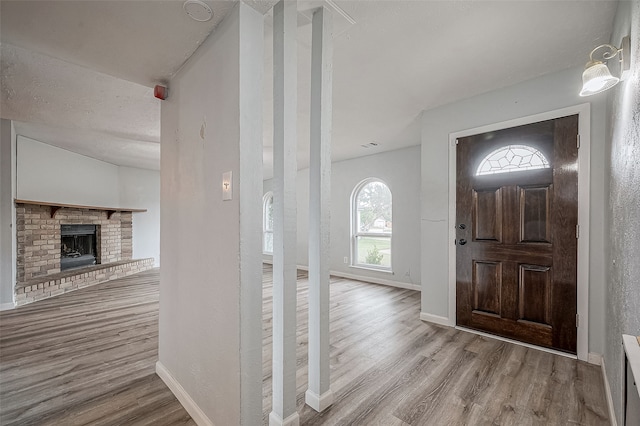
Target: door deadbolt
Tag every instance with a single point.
(462, 226)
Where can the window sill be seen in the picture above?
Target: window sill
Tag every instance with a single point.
(367, 268)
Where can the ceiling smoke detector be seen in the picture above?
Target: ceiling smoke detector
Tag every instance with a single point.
(198, 10)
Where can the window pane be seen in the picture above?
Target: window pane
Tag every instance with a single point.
(512, 158)
(268, 242)
(268, 222)
(373, 208)
(375, 251)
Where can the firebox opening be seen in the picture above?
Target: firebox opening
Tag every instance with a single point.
(78, 246)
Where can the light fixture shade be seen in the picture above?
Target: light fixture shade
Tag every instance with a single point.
(597, 78)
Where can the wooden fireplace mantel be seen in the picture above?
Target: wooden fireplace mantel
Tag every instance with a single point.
(57, 206)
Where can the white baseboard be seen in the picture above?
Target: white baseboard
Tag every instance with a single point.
(7, 306)
(436, 319)
(319, 402)
(407, 286)
(292, 420)
(594, 358)
(189, 404)
(607, 391)
(374, 280)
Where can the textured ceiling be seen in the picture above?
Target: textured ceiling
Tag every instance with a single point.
(79, 74)
(79, 109)
(145, 42)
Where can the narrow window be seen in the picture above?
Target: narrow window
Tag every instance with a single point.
(512, 158)
(371, 225)
(267, 223)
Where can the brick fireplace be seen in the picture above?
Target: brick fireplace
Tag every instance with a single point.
(39, 248)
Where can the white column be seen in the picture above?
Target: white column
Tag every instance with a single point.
(319, 395)
(249, 190)
(285, 68)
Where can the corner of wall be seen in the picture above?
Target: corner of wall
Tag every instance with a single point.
(607, 391)
(7, 214)
(437, 319)
(181, 394)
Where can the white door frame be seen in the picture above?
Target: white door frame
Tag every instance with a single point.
(584, 174)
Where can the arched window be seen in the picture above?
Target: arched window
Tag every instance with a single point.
(371, 225)
(512, 158)
(267, 223)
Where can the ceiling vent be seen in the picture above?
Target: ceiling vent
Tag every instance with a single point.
(370, 145)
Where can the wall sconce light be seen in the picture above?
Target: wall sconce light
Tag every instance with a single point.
(596, 77)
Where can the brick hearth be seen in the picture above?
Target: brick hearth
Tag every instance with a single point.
(66, 281)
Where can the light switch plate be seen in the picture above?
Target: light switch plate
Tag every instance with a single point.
(227, 187)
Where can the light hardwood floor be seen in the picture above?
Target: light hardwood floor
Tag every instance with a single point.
(87, 357)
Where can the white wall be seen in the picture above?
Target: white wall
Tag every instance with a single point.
(211, 277)
(623, 214)
(7, 214)
(543, 94)
(140, 189)
(48, 173)
(400, 169)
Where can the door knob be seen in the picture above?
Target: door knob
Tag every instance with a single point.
(462, 241)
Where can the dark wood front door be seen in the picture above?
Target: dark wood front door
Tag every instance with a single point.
(516, 225)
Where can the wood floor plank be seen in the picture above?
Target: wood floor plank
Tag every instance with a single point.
(390, 368)
(88, 358)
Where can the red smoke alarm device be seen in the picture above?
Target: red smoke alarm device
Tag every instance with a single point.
(160, 92)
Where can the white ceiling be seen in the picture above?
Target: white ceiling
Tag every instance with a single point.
(79, 74)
